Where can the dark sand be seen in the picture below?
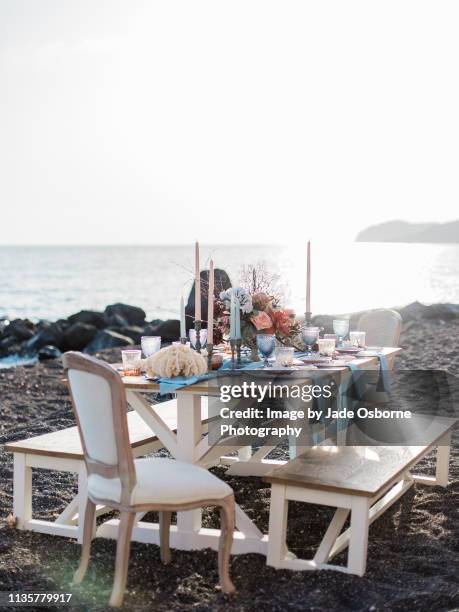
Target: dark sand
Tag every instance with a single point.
(413, 555)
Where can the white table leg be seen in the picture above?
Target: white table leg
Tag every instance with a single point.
(188, 436)
(22, 490)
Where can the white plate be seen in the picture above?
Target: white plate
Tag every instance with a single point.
(315, 359)
(336, 363)
(348, 349)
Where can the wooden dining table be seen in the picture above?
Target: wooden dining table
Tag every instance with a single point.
(189, 443)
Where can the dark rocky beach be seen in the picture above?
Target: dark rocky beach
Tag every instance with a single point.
(413, 556)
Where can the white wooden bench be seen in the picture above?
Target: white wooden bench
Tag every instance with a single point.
(61, 451)
(361, 480)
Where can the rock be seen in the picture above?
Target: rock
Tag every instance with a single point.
(413, 311)
(149, 329)
(107, 338)
(222, 282)
(89, 317)
(133, 315)
(134, 332)
(116, 321)
(48, 352)
(6, 343)
(21, 329)
(168, 330)
(50, 333)
(444, 312)
(63, 324)
(79, 335)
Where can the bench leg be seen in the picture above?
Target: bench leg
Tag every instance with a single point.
(442, 467)
(277, 546)
(329, 539)
(22, 490)
(358, 542)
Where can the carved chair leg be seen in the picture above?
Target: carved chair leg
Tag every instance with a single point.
(164, 530)
(122, 558)
(227, 520)
(88, 527)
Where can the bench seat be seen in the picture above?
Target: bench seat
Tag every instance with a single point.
(359, 480)
(61, 451)
(66, 444)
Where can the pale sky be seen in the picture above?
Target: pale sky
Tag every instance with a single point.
(246, 121)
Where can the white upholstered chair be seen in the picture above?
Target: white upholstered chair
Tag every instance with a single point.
(382, 327)
(130, 485)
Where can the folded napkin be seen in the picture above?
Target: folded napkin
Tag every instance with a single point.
(170, 385)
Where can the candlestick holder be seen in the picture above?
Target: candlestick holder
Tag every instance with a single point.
(236, 344)
(210, 350)
(197, 328)
(233, 352)
(183, 340)
(238, 351)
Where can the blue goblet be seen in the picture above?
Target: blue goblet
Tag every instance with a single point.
(341, 329)
(266, 344)
(310, 334)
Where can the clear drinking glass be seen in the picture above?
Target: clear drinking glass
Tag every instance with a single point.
(266, 344)
(326, 346)
(202, 337)
(341, 329)
(357, 338)
(310, 334)
(284, 356)
(131, 362)
(150, 344)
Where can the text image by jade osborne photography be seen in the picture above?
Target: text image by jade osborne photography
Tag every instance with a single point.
(229, 306)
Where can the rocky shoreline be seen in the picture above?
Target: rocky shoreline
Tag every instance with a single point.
(91, 331)
(120, 325)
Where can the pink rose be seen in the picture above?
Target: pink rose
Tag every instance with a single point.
(282, 321)
(261, 321)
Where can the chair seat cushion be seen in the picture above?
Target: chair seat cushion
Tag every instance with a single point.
(162, 481)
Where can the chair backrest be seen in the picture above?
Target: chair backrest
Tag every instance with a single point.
(382, 327)
(100, 407)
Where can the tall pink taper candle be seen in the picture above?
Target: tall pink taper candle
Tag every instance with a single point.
(210, 305)
(308, 280)
(197, 287)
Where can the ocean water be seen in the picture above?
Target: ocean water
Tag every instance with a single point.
(54, 282)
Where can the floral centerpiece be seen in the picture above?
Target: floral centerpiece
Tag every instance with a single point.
(261, 313)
